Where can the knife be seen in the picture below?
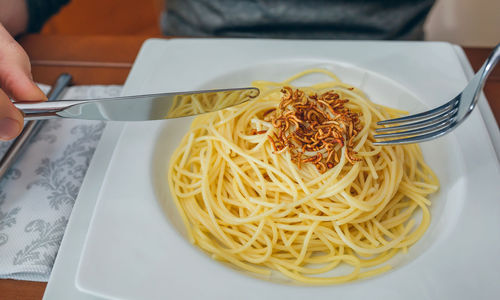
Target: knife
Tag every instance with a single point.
(139, 108)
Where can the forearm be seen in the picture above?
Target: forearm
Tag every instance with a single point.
(14, 16)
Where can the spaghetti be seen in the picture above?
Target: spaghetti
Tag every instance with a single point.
(252, 196)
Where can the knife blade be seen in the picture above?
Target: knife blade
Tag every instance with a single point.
(139, 108)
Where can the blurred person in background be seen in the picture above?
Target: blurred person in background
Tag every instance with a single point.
(313, 19)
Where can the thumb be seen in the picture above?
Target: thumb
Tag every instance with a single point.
(15, 82)
(11, 119)
(15, 70)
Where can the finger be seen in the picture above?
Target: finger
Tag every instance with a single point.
(15, 70)
(11, 119)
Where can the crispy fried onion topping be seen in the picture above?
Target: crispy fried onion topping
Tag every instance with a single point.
(314, 128)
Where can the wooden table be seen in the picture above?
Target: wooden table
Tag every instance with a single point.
(107, 60)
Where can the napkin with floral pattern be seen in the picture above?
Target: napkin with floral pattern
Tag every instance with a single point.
(38, 192)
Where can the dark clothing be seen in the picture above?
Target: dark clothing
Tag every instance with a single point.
(39, 11)
(304, 19)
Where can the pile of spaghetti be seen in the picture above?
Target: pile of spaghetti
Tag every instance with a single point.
(292, 182)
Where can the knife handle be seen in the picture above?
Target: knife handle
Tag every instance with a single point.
(45, 109)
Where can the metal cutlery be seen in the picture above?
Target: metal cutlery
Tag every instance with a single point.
(139, 108)
(436, 122)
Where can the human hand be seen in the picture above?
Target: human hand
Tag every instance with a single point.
(15, 82)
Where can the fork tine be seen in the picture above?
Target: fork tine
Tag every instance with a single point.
(423, 115)
(421, 130)
(419, 138)
(434, 120)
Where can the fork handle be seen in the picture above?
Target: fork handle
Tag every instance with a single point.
(476, 84)
(490, 64)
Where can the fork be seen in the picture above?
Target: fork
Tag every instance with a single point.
(439, 121)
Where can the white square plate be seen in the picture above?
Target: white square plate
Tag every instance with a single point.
(135, 247)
